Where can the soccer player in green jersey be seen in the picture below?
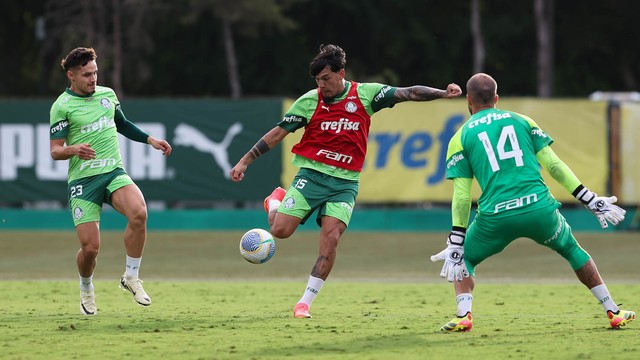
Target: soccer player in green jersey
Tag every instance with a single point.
(336, 118)
(502, 150)
(85, 122)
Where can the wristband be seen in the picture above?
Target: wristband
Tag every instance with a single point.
(457, 235)
(583, 194)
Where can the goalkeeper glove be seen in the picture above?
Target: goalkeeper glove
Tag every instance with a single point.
(453, 256)
(603, 208)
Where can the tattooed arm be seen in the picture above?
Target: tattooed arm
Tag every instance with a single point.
(425, 93)
(266, 143)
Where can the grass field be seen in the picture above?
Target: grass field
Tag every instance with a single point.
(384, 300)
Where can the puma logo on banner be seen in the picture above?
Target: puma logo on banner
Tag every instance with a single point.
(187, 135)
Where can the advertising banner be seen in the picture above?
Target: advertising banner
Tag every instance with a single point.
(408, 144)
(405, 161)
(629, 151)
(208, 137)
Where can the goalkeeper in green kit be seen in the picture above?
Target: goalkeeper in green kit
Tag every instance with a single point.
(85, 121)
(502, 150)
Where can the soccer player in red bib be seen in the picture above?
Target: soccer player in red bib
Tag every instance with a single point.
(336, 117)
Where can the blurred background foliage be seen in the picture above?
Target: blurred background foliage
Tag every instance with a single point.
(249, 48)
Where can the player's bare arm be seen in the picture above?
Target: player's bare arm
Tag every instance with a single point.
(266, 143)
(160, 144)
(61, 152)
(426, 93)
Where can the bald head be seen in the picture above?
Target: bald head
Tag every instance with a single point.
(481, 92)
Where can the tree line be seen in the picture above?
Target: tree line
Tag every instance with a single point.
(249, 48)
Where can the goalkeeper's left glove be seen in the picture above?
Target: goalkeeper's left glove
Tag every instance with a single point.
(603, 208)
(453, 256)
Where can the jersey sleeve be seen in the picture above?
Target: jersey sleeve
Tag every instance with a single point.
(558, 170)
(538, 136)
(375, 96)
(457, 164)
(114, 98)
(127, 128)
(461, 202)
(300, 112)
(58, 122)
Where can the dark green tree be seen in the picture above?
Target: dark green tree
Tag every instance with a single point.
(246, 18)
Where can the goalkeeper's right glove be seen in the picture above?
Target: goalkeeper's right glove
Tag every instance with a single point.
(603, 208)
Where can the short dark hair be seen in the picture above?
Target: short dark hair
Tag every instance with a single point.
(331, 56)
(79, 56)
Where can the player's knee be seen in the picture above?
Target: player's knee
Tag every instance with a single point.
(90, 251)
(471, 268)
(282, 226)
(574, 254)
(138, 217)
(577, 258)
(281, 231)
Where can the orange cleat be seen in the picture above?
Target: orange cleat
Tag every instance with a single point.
(459, 324)
(301, 311)
(621, 318)
(277, 194)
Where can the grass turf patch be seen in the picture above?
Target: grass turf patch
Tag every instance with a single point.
(384, 300)
(351, 320)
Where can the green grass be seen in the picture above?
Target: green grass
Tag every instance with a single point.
(384, 300)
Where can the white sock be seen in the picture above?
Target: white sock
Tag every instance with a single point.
(313, 288)
(464, 301)
(86, 283)
(274, 204)
(133, 266)
(604, 298)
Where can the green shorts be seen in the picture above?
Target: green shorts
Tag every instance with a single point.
(489, 235)
(86, 195)
(311, 190)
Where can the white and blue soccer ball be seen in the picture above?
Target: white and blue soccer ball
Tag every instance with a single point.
(257, 246)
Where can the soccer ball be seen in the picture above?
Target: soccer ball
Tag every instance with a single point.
(257, 246)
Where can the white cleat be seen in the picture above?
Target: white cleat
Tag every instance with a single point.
(88, 302)
(134, 285)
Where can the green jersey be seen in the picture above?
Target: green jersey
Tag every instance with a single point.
(499, 149)
(374, 97)
(91, 120)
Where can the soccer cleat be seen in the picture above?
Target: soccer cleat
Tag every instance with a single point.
(621, 318)
(88, 302)
(301, 311)
(277, 194)
(459, 324)
(134, 285)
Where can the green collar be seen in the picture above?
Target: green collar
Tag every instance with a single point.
(347, 86)
(70, 92)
